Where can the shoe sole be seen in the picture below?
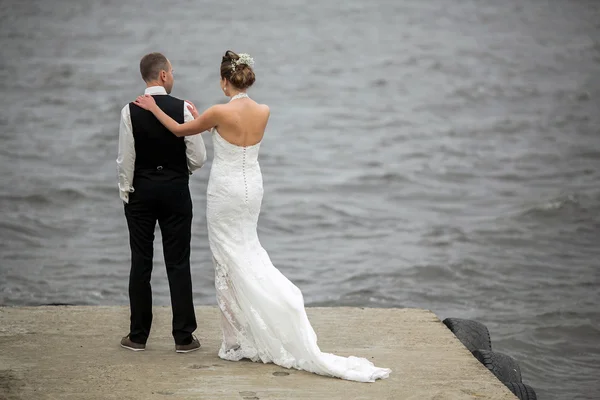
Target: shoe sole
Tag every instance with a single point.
(131, 348)
(187, 351)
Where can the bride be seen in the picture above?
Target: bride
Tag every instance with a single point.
(262, 312)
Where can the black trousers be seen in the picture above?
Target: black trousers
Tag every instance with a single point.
(166, 200)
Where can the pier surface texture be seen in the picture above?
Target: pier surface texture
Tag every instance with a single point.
(73, 352)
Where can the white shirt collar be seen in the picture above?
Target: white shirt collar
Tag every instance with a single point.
(155, 90)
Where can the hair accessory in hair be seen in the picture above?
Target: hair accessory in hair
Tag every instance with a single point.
(244, 59)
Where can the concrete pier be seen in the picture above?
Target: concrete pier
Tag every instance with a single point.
(67, 353)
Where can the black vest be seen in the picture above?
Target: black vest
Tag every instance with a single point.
(158, 152)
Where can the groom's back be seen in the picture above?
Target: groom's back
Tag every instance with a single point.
(156, 147)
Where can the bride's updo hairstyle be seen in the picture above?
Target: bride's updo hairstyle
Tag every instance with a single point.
(237, 69)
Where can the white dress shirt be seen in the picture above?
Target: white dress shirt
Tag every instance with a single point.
(195, 149)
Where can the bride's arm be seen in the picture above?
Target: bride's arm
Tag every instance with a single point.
(204, 122)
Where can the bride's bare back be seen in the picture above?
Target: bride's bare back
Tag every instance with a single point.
(242, 121)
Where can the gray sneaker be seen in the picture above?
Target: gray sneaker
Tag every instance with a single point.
(186, 348)
(128, 344)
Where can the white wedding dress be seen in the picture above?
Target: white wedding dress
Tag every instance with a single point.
(262, 312)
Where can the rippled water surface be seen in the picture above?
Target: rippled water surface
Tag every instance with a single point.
(440, 154)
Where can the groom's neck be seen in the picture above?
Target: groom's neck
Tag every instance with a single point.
(153, 83)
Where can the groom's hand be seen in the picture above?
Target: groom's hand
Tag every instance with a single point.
(192, 109)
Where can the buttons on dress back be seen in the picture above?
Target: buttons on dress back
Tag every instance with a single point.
(244, 173)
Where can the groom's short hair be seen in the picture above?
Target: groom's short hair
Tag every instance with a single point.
(151, 65)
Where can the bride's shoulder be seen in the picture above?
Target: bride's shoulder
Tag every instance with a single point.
(264, 108)
(218, 108)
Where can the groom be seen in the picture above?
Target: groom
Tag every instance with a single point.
(153, 171)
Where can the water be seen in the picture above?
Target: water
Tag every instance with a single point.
(443, 155)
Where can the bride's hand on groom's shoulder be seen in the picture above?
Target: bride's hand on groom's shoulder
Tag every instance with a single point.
(146, 102)
(192, 109)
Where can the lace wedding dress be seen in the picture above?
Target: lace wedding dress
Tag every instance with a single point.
(262, 312)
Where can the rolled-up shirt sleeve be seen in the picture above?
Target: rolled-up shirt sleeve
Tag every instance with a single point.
(195, 149)
(126, 155)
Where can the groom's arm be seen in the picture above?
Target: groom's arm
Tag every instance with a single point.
(126, 156)
(195, 148)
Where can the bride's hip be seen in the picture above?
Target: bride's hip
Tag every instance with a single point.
(234, 200)
(234, 190)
